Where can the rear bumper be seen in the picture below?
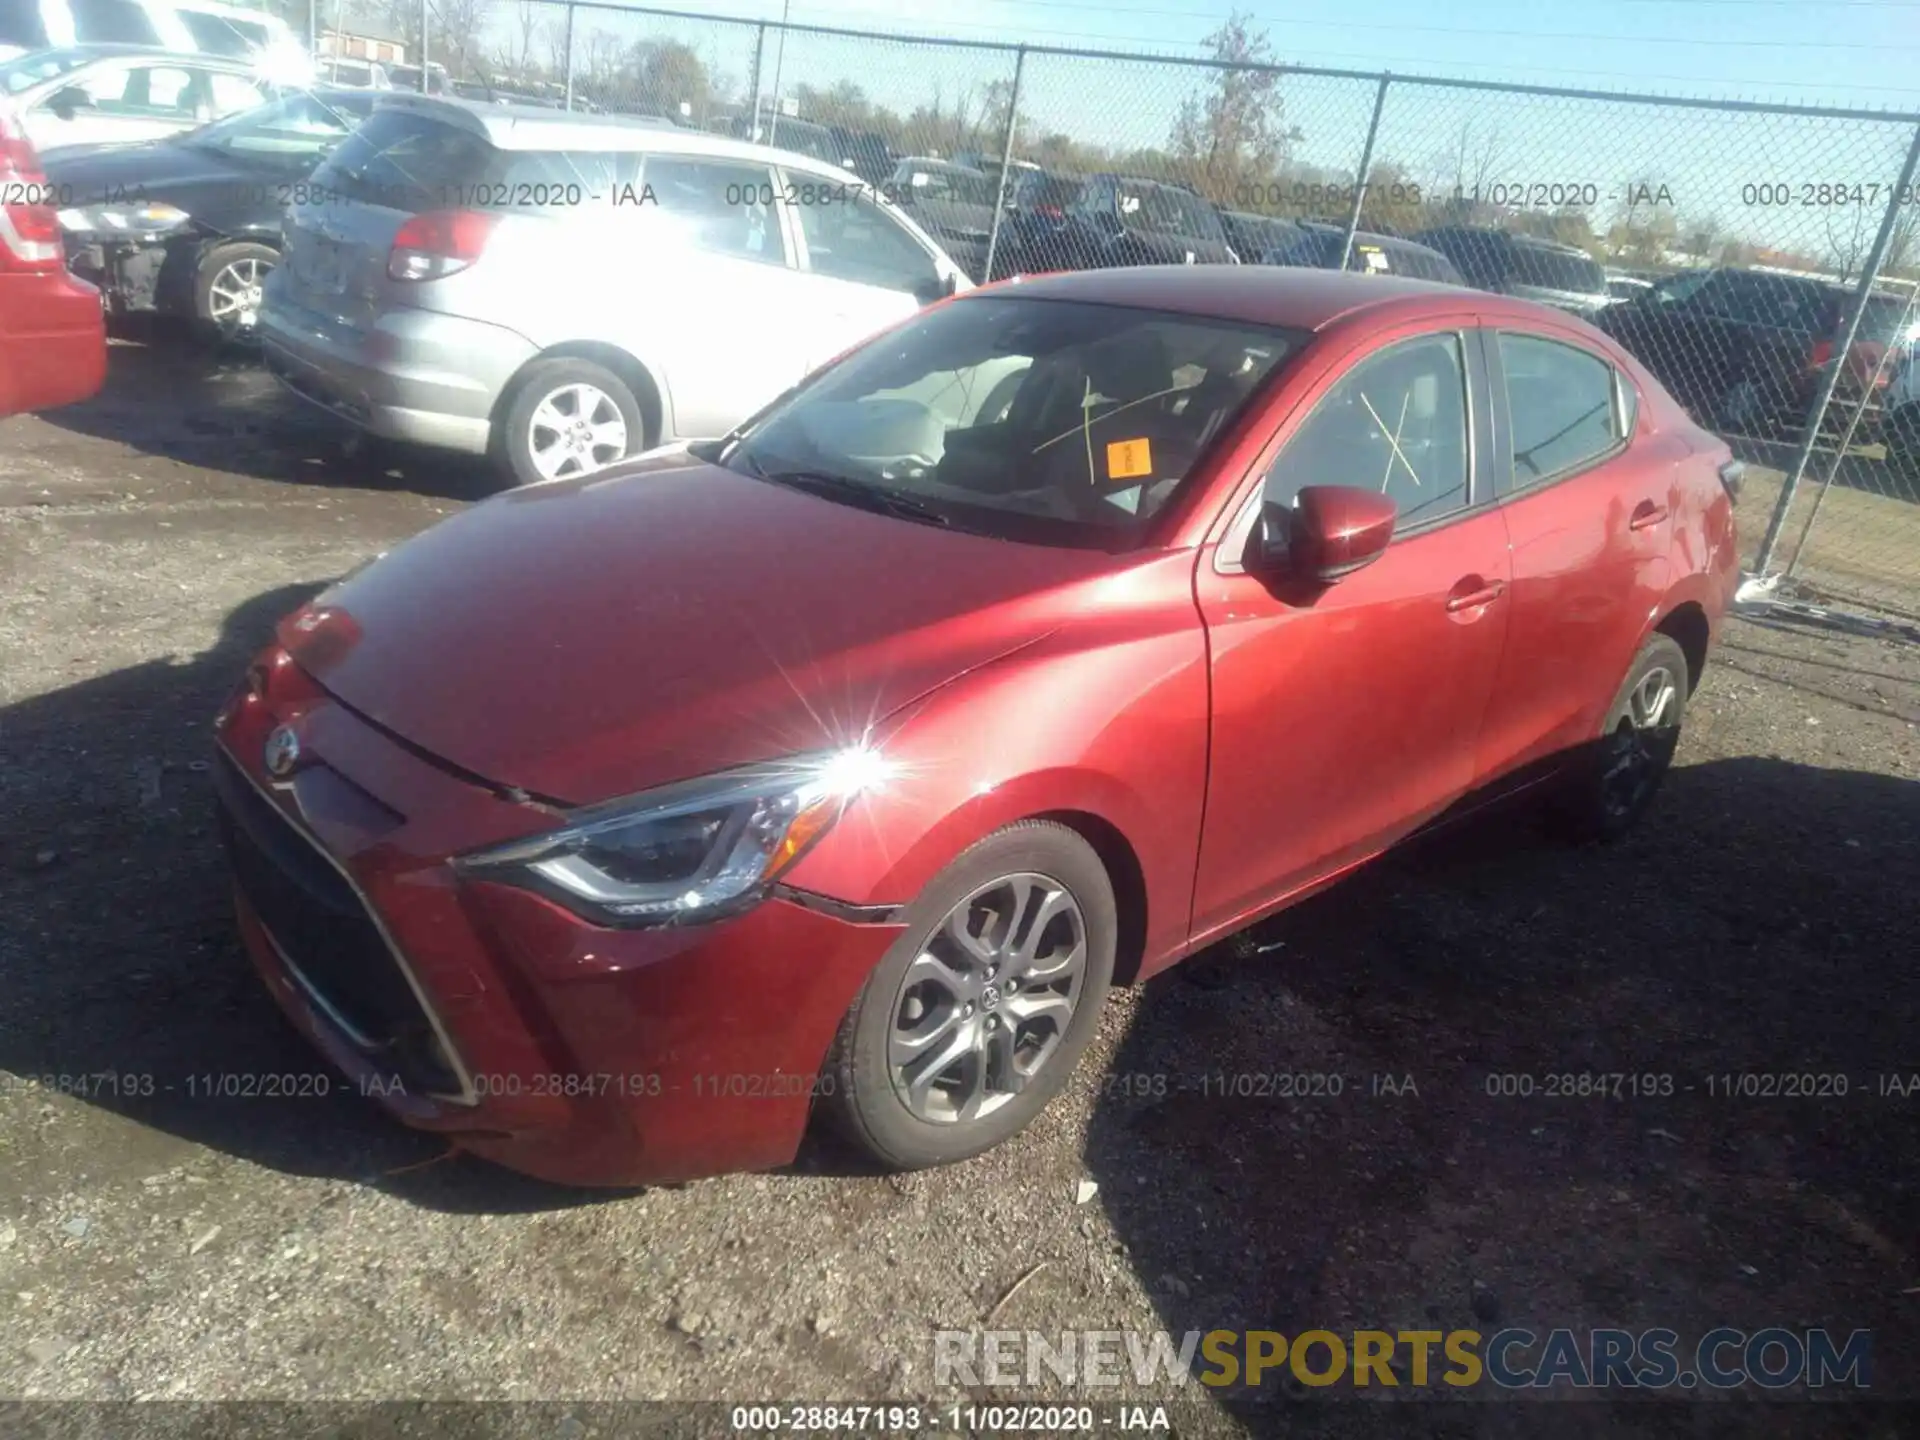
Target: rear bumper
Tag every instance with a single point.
(414, 375)
(484, 1013)
(53, 341)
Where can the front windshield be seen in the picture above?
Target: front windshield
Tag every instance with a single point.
(26, 71)
(1048, 421)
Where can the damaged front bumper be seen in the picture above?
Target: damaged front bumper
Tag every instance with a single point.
(143, 274)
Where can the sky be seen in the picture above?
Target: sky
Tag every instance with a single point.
(1758, 176)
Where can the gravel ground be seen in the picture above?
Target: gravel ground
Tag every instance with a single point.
(168, 1245)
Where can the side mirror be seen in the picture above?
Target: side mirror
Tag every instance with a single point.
(1328, 532)
(69, 102)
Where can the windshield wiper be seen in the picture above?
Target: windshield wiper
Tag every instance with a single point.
(854, 492)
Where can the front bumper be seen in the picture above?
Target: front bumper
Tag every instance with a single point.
(483, 1012)
(412, 375)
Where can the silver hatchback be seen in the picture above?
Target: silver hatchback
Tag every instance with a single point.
(561, 290)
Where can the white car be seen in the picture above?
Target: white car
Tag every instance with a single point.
(564, 290)
(186, 27)
(106, 95)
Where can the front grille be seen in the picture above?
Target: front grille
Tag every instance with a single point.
(325, 933)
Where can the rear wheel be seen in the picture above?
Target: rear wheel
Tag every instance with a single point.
(568, 418)
(978, 1014)
(226, 289)
(1616, 780)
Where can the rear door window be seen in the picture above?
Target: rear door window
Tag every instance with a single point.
(112, 22)
(723, 207)
(1560, 405)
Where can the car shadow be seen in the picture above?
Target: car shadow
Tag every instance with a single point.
(122, 973)
(1376, 1119)
(175, 396)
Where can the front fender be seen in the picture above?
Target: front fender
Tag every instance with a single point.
(1116, 731)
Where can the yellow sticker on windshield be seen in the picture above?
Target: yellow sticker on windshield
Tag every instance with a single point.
(1129, 459)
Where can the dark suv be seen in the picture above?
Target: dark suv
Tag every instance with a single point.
(1126, 220)
(1745, 349)
(1524, 266)
(1034, 224)
(1319, 246)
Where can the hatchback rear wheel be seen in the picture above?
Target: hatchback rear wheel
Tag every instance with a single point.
(569, 418)
(978, 1014)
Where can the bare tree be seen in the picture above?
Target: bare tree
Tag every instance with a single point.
(1237, 129)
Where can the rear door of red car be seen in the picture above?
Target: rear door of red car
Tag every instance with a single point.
(1343, 719)
(1589, 512)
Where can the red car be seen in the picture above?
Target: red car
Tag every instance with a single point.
(53, 341)
(616, 826)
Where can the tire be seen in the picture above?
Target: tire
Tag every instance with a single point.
(1614, 783)
(226, 290)
(869, 1104)
(553, 390)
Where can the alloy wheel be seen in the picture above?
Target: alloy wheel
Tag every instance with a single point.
(985, 1005)
(1641, 744)
(576, 430)
(233, 296)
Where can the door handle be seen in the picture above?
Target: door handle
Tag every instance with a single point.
(1482, 594)
(1646, 515)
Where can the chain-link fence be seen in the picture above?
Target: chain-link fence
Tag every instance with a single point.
(1759, 259)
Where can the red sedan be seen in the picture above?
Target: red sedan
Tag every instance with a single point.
(53, 342)
(617, 826)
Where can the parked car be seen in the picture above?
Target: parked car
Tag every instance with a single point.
(648, 791)
(1126, 220)
(190, 226)
(53, 343)
(802, 137)
(341, 71)
(432, 80)
(1253, 236)
(864, 153)
(953, 204)
(1318, 246)
(564, 290)
(1745, 349)
(186, 27)
(1526, 266)
(122, 95)
(1622, 287)
(1033, 231)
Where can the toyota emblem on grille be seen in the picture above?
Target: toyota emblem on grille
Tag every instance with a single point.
(282, 751)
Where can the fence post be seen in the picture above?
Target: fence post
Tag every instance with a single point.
(759, 48)
(569, 62)
(1366, 169)
(1804, 455)
(425, 53)
(1006, 162)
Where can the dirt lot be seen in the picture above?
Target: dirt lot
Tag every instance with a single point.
(1764, 921)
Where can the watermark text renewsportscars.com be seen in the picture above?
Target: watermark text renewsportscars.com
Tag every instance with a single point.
(1515, 1358)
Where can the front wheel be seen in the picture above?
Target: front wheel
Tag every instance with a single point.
(226, 289)
(568, 418)
(1616, 780)
(978, 1014)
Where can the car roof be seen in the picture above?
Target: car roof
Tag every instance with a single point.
(534, 127)
(1278, 295)
(197, 58)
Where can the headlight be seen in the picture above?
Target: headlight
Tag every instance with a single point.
(690, 852)
(149, 219)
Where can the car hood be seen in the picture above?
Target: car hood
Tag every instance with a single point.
(587, 639)
(93, 173)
